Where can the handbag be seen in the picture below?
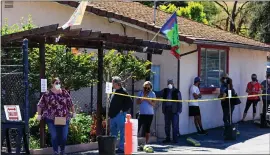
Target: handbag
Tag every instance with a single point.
(60, 121)
(235, 100)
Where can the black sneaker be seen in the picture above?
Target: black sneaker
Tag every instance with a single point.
(202, 133)
(119, 151)
(166, 141)
(205, 132)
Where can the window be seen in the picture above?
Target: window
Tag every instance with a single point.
(213, 62)
(8, 4)
(155, 79)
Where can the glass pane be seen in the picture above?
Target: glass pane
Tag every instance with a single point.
(155, 79)
(213, 65)
(203, 67)
(212, 69)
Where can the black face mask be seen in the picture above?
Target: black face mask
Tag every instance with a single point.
(147, 89)
(254, 79)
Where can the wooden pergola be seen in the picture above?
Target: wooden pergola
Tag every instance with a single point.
(52, 34)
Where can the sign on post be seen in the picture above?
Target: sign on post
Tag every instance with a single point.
(108, 87)
(43, 85)
(230, 93)
(13, 112)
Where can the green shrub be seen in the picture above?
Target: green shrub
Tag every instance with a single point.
(79, 131)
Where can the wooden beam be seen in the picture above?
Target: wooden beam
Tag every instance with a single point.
(73, 33)
(35, 31)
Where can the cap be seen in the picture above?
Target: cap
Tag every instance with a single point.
(197, 79)
(225, 75)
(170, 81)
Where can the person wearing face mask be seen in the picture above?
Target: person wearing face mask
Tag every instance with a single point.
(253, 88)
(54, 106)
(194, 109)
(266, 99)
(119, 106)
(226, 84)
(171, 110)
(146, 109)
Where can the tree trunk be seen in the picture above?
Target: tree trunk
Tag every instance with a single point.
(233, 16)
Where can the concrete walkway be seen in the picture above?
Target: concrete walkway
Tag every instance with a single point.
(252, 140)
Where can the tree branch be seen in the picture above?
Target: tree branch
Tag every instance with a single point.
(217, 26)
(240, 9)
(223, 7)
(226, 5)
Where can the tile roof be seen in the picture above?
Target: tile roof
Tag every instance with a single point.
(141, 15)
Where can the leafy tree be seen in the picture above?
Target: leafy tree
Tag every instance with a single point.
(211, 10)
(194, 11)
(260, 25)
(125, 65)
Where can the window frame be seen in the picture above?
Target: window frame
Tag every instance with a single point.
(209, 90)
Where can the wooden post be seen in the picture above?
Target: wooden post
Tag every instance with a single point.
(99, 89)
(149, 58)
(42, 76)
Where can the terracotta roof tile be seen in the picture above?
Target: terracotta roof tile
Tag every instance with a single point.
(137, 11)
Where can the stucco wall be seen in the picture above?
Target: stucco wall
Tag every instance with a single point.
(242, 63)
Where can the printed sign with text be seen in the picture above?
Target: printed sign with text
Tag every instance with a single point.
(13, 112)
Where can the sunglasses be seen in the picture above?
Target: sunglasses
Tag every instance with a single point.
(57, 83)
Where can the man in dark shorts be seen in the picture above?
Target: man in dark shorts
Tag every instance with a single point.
(194, 109)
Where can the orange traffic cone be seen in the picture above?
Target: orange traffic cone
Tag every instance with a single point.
(128, 135)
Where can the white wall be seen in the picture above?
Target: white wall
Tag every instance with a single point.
(242, 62)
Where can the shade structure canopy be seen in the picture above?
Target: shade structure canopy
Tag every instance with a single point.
(52, 34)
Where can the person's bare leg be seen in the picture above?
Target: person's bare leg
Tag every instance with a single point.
(197, 124)
(147, 136)
(200, 124)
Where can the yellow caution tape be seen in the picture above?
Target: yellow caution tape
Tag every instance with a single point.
(201, 100)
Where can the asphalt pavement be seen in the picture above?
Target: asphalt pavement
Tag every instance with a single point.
(252, 140)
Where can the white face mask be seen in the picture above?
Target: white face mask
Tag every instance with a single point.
(170, 86)
(57, 87)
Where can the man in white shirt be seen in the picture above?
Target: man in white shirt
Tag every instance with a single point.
(194, 109)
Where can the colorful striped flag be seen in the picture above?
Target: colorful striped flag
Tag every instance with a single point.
(77, 16)
(170, 30)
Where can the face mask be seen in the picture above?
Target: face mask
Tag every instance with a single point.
(58, 86)
(146, 89)
(254, 79)
(268, 80)
(225, 80)
(170, 86)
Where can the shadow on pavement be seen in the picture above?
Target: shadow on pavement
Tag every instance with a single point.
(214, 139)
